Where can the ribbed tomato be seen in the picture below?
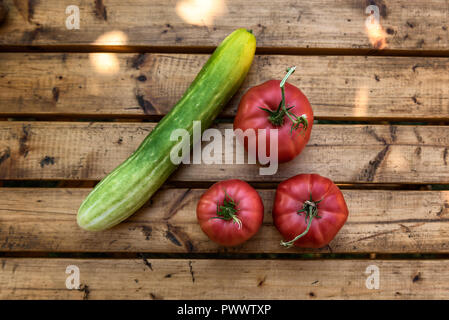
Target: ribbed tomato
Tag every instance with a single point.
(230, 212)
(308, 211)
(277, 105)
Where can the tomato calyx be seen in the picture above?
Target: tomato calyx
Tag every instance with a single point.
(228, 210)
(277, 117)
(310, 211)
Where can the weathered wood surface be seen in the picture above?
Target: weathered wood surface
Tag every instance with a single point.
(139, 85)
(380, 221)
(406, 25)
(344, 153)
(119, 85)
(218, 279)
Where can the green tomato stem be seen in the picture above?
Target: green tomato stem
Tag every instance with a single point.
(277, 117)
(228, 210)
(310, 210)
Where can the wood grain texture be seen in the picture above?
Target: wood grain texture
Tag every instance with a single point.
(344, 153)
(380, 221)
(197, 279)
(114, 85)
(142, 85)
(406, 25)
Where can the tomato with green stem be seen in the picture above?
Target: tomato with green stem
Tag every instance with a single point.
(276, 105)
(308, 211)
(230, 212)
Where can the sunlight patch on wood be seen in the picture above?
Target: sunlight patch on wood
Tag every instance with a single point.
(201, 12)
(108, 63)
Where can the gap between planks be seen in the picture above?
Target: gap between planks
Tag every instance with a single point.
(321, 120)
(206, 184)
(223, 256)
(208, 50)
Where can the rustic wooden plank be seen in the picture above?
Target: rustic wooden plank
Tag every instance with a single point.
(344, 153)
(218, 279)
(138, 85)
(380, 221)
(405, 25)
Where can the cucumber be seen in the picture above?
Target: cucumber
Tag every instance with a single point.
(132, 183)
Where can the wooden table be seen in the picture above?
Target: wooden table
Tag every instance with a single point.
(75, 103)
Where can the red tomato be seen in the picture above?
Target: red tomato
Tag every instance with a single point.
(230, 212)
(267, 107)
(310, 209)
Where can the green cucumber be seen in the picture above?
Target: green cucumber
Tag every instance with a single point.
(132, 183)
